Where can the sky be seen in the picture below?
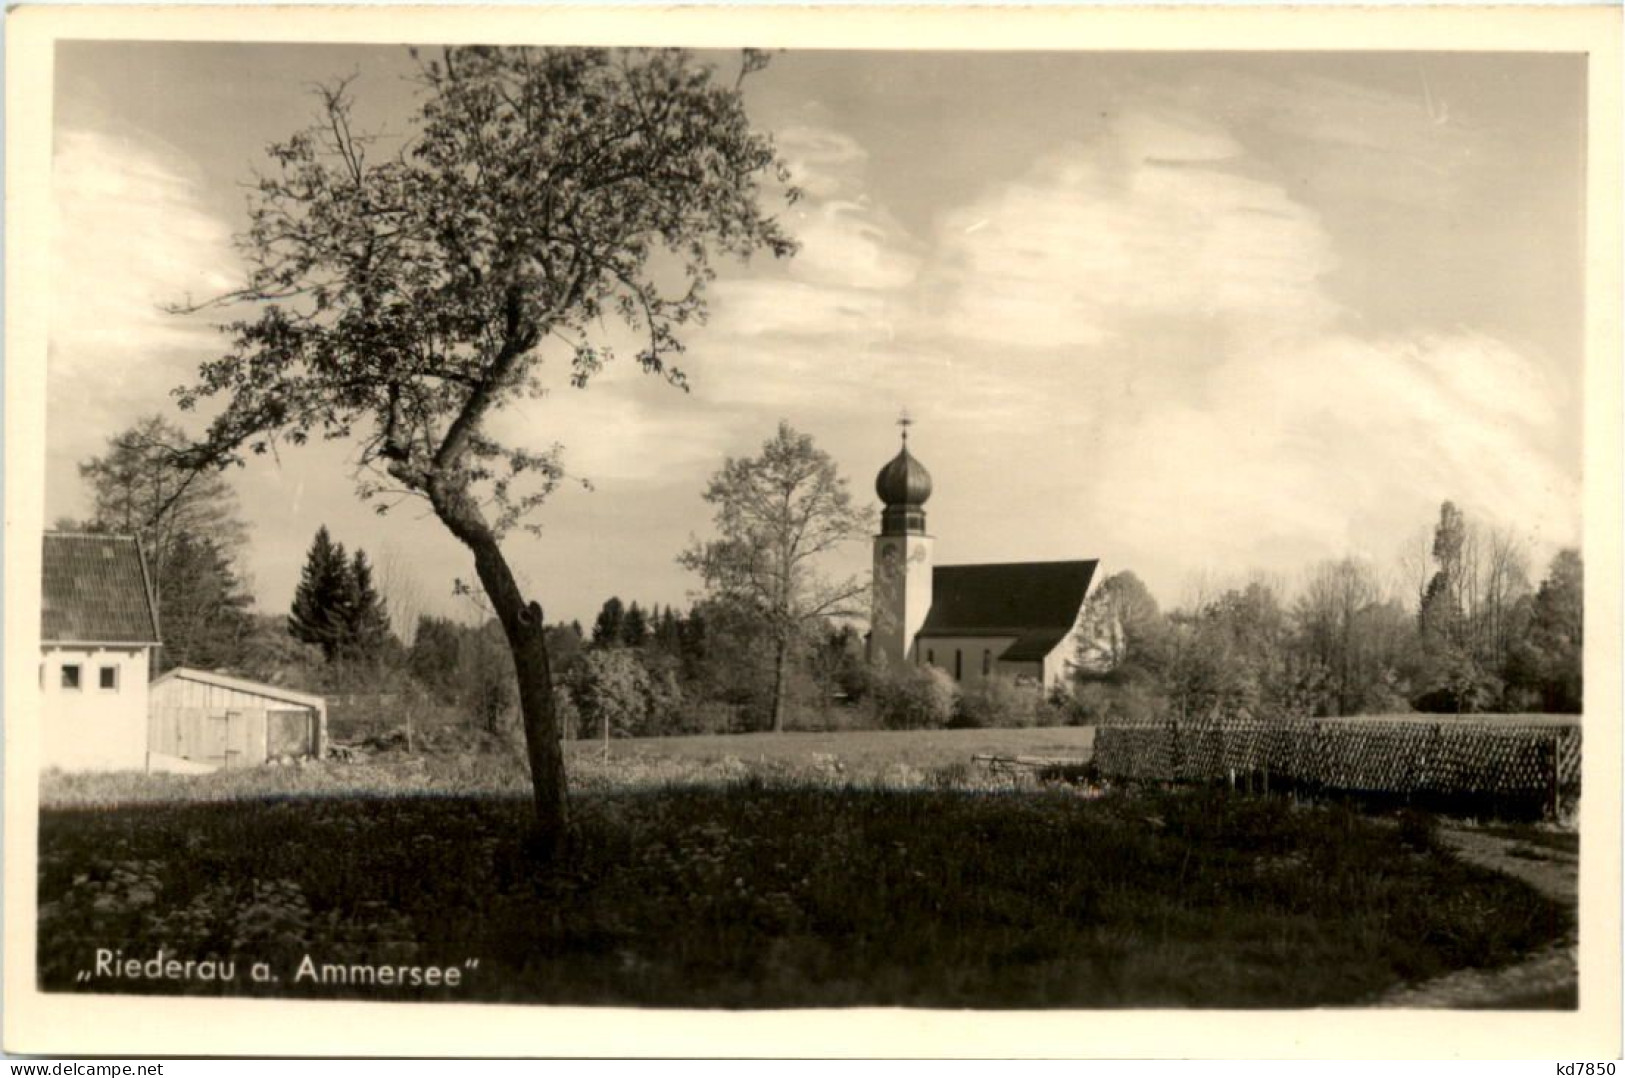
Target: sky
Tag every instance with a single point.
(1199, 316)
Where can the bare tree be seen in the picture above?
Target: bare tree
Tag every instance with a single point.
(1413, 566)
(777, 515)
(146, 485)
(1330, 613)
(402, 591)
(1505, 572)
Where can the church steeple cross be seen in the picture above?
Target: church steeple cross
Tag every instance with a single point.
(905, 421)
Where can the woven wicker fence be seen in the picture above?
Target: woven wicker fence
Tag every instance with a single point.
(1538, 765)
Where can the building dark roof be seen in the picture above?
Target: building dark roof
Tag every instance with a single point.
(1032, 647)
(95, 591)
(1036, 602)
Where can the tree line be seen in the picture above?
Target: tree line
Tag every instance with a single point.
(1480, 637)
(734, 660)
(1460, 627)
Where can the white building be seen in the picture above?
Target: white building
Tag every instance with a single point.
(1020, 620)
(98, 628)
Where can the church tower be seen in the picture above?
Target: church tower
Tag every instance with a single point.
(902, 571)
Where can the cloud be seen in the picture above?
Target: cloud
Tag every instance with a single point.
(848, 245)
(1153, 220)
(830, 325)
(751, 309)
(1335, 445)
(1340, 139)
(824, 163)
(625, 427)
(129, 234)
(1145, 320)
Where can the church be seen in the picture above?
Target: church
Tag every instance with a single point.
(1024, 621)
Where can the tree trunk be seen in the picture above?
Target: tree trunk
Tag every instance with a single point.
(526, 632)
(527, 640)
(781, 660)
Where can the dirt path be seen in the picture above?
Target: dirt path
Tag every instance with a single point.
(1547, 979)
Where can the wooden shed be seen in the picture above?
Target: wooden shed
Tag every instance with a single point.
(216, 721)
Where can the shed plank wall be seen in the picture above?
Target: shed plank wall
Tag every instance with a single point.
(179, 722)
(195, 733)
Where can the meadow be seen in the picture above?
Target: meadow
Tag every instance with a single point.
(456, 761)
(779, 876)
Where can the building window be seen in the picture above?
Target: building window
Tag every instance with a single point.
(959, 665)
(987, 661)
(70, 675)
(107, 678)
(930, 657)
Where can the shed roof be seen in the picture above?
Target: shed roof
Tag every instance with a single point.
(95, 590)
(256, 688)
(1035, 602)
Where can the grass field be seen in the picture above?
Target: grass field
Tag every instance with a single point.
(859, 748)
(863, 757)
(761, 871)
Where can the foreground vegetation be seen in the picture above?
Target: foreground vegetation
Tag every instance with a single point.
(796, 889)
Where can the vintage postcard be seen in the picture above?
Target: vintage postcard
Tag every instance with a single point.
(795, 532)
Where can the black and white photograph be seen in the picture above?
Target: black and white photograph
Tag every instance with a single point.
(782, 521)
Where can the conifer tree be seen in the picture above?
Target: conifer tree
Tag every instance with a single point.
(320, 613)
(635, 627)
(666, 632)
(367, 629)
(606, 629)
(204, 616)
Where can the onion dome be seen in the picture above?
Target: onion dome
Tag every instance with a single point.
(903, 486)
(903, 481)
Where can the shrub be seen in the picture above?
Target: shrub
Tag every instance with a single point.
(997, 702)
(1057, 708)
(859, 716)
(611, 690)
(565, 712)
(1099, 702)
(1418, 830)
(914, 697)
(707, 717)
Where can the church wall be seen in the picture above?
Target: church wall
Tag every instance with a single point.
(1090, 648)
(1032, 671)
(971, 648)
(1060, 663)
